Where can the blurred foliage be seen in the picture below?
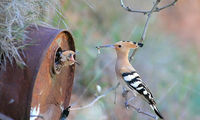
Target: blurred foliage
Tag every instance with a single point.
(15, 17)
(168, 64)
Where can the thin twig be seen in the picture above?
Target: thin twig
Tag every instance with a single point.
(127, 105)
(142, 112)
(145, 27)
(131, 10)
(154, 9)
(115, 99)
(166, 6)
(96, 99)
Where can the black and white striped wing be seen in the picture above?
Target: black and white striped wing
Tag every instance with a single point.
(134, 82)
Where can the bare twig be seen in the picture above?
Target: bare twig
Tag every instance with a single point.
(154, 9)
(166, 6)
(131, 10)
(142, 112)
(115, 99)
(127, 105)
(145, 27)
(96, 99)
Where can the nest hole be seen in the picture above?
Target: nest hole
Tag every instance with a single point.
(57, 67)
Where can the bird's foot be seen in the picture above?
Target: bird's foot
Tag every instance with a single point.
(126, 104)
(125, 92)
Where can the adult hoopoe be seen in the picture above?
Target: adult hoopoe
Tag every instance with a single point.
(127, 74)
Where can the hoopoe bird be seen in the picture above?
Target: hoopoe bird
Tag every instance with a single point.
(128, 76)
(66, 58)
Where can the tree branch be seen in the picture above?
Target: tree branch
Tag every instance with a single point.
(153, 9)
(145, 27)
(131, 10)
(166, 6)
(142, 112)
(127, 105)
(96, 99)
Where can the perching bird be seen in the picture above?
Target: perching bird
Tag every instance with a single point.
(127, 74)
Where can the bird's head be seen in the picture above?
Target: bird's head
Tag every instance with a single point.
(126, 45)
(123, 46)
(68, 56)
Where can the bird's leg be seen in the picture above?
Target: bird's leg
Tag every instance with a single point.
(124, 92)
(125, 95)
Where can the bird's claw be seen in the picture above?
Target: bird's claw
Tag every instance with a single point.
(126, 104)
(124, 93)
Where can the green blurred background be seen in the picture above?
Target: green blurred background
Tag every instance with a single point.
(168, 62)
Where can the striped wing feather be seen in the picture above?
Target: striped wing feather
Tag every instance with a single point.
(134, 82)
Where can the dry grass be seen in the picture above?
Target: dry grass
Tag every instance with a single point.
(15, 16)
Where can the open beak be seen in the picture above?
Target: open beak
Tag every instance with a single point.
(72, 59)
(103, 46)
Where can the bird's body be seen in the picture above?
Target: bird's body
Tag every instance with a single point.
(121, 66)
(128, 76)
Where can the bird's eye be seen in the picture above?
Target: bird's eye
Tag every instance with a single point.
(119, 46)
(70, 55)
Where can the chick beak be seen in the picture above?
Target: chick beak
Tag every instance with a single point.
(72, 59)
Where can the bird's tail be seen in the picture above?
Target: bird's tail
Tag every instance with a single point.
(153, 106)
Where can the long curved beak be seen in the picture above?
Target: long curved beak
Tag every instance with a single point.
(103, 46)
